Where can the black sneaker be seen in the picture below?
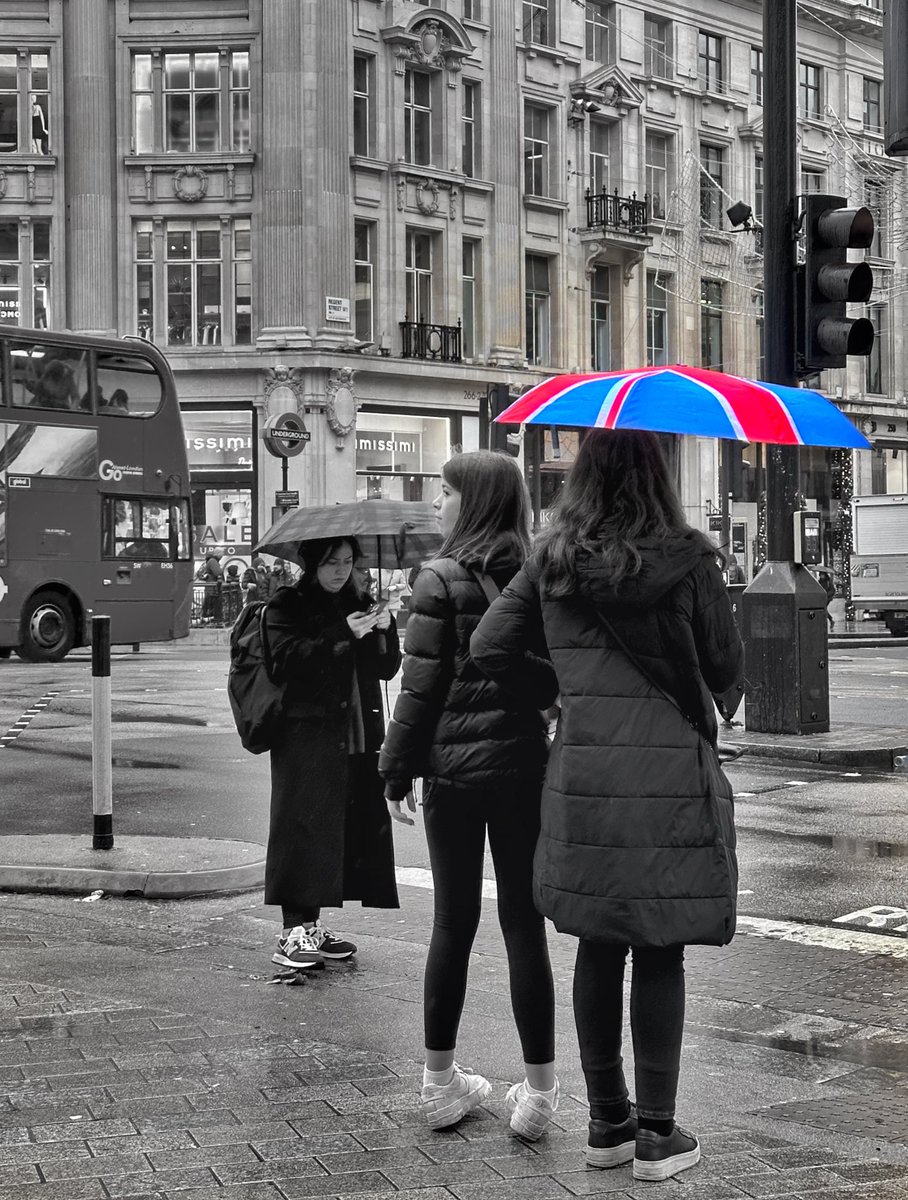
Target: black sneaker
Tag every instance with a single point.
(329, 945)
(298, 951)
(611, 1145)
(660, 1156)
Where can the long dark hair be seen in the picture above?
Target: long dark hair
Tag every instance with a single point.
(315, 552)
(493, 525)
(618, 492)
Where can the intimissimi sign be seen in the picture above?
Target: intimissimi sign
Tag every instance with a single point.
(218, 441)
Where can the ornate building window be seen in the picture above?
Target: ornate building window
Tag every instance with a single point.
(711, 324)
(417, 117)
(538, 310)
(657, 342)
(193, 281)
(191, 101)
(876, 373)
(537, 22)
(363, 298)
(600, 321)
(657, 47)
(363, 107)
(24, 102)
(659, 160)
(419, 276)
(599, 156)
(809, 102)
(25, 273)
(873, 96)
(709, 62)
(470, 129)
(469, 295)
(756, 75)
(712, 185)
(600, 27)
(536, 165)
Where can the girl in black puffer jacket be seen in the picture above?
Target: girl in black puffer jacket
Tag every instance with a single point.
(481, 751)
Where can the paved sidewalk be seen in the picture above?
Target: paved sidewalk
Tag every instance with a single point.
(164, 1065)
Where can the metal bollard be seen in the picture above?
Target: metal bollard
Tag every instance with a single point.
(101, 760)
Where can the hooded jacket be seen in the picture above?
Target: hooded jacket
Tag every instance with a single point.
(637, 841)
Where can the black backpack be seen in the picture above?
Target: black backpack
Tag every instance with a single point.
(257, 701)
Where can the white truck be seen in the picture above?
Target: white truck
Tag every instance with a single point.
(879, 559)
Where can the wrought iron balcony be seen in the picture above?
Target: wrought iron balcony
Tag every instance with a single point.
(608, 210)
(438, 343)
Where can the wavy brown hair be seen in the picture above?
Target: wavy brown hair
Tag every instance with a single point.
(493, 525)
(618, 492)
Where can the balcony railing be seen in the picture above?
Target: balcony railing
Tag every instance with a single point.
(438, 343)
(608, 210)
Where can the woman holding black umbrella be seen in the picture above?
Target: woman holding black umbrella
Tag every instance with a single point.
(330, 837)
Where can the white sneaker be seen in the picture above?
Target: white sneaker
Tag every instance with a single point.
(447, 1103)
(531, 1112)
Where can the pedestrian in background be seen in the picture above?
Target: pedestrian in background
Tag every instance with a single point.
(330, 834)
(637, 842)
(481, 750)
(280, 576)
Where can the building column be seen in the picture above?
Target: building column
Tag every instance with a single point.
(505, 139)
(91, 288)
(327, 38)
(287, 213)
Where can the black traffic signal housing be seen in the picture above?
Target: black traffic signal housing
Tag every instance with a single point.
(499, 399)
(828, 282)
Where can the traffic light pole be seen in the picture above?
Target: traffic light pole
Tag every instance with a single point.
(784, 623)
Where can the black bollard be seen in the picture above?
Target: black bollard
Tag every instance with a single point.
(101, 759)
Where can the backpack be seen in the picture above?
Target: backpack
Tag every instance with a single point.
(257, 701)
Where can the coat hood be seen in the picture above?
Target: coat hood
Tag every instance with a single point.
(665, 562)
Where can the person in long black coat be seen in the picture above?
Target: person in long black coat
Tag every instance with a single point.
(637, 847)
(330, 833)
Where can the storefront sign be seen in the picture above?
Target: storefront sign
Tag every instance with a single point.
(337, 308)
(218, 441)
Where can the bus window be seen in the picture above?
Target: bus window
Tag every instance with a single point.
(2, 523)
(128, 386)
(61, 451)
(45, 376)
(145, 529)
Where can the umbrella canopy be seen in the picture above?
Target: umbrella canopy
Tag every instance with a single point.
(687, 400)
(391, 533)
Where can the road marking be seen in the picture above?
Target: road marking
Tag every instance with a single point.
(878, 916)
(782, 931)
(20, 726)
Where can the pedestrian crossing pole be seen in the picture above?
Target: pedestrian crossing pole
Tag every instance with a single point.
(101, 759)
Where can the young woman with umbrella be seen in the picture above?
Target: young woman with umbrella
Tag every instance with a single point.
(637, 844)
(481, 751)
(330, 837)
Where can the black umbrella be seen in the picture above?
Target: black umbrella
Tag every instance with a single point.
(391, 534)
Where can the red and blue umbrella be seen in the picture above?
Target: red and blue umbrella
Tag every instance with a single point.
(687, 400)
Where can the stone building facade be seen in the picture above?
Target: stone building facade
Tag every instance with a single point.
(368, 211)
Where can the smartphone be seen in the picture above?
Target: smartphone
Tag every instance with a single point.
(379, 606)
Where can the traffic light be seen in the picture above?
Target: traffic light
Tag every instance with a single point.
(828, 281)
(499, 399)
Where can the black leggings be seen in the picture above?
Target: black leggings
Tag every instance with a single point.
(657, 1025)
(299, 916)
(456, 821)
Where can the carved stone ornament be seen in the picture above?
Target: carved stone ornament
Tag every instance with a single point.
(190, 184)
(401, 193)
(4, 182)
(431, 46)
(340, 403)
(283, 392)
(427, 197)
(593, 250)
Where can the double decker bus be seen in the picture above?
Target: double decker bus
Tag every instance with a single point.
(94, 493)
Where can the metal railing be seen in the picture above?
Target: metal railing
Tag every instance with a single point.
(215, 603)
(608, 210)
(439, 343)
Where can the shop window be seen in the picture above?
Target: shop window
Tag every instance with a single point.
(25, 273)
(24, 101)
(191, 101)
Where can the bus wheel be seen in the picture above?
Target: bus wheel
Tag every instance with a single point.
(5, 651)
(48, 628)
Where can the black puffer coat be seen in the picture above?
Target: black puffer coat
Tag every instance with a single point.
(450, 722)
(637, 842)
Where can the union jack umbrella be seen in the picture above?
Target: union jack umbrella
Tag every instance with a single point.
(687, 400)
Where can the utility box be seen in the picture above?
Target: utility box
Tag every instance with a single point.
(786, 648)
